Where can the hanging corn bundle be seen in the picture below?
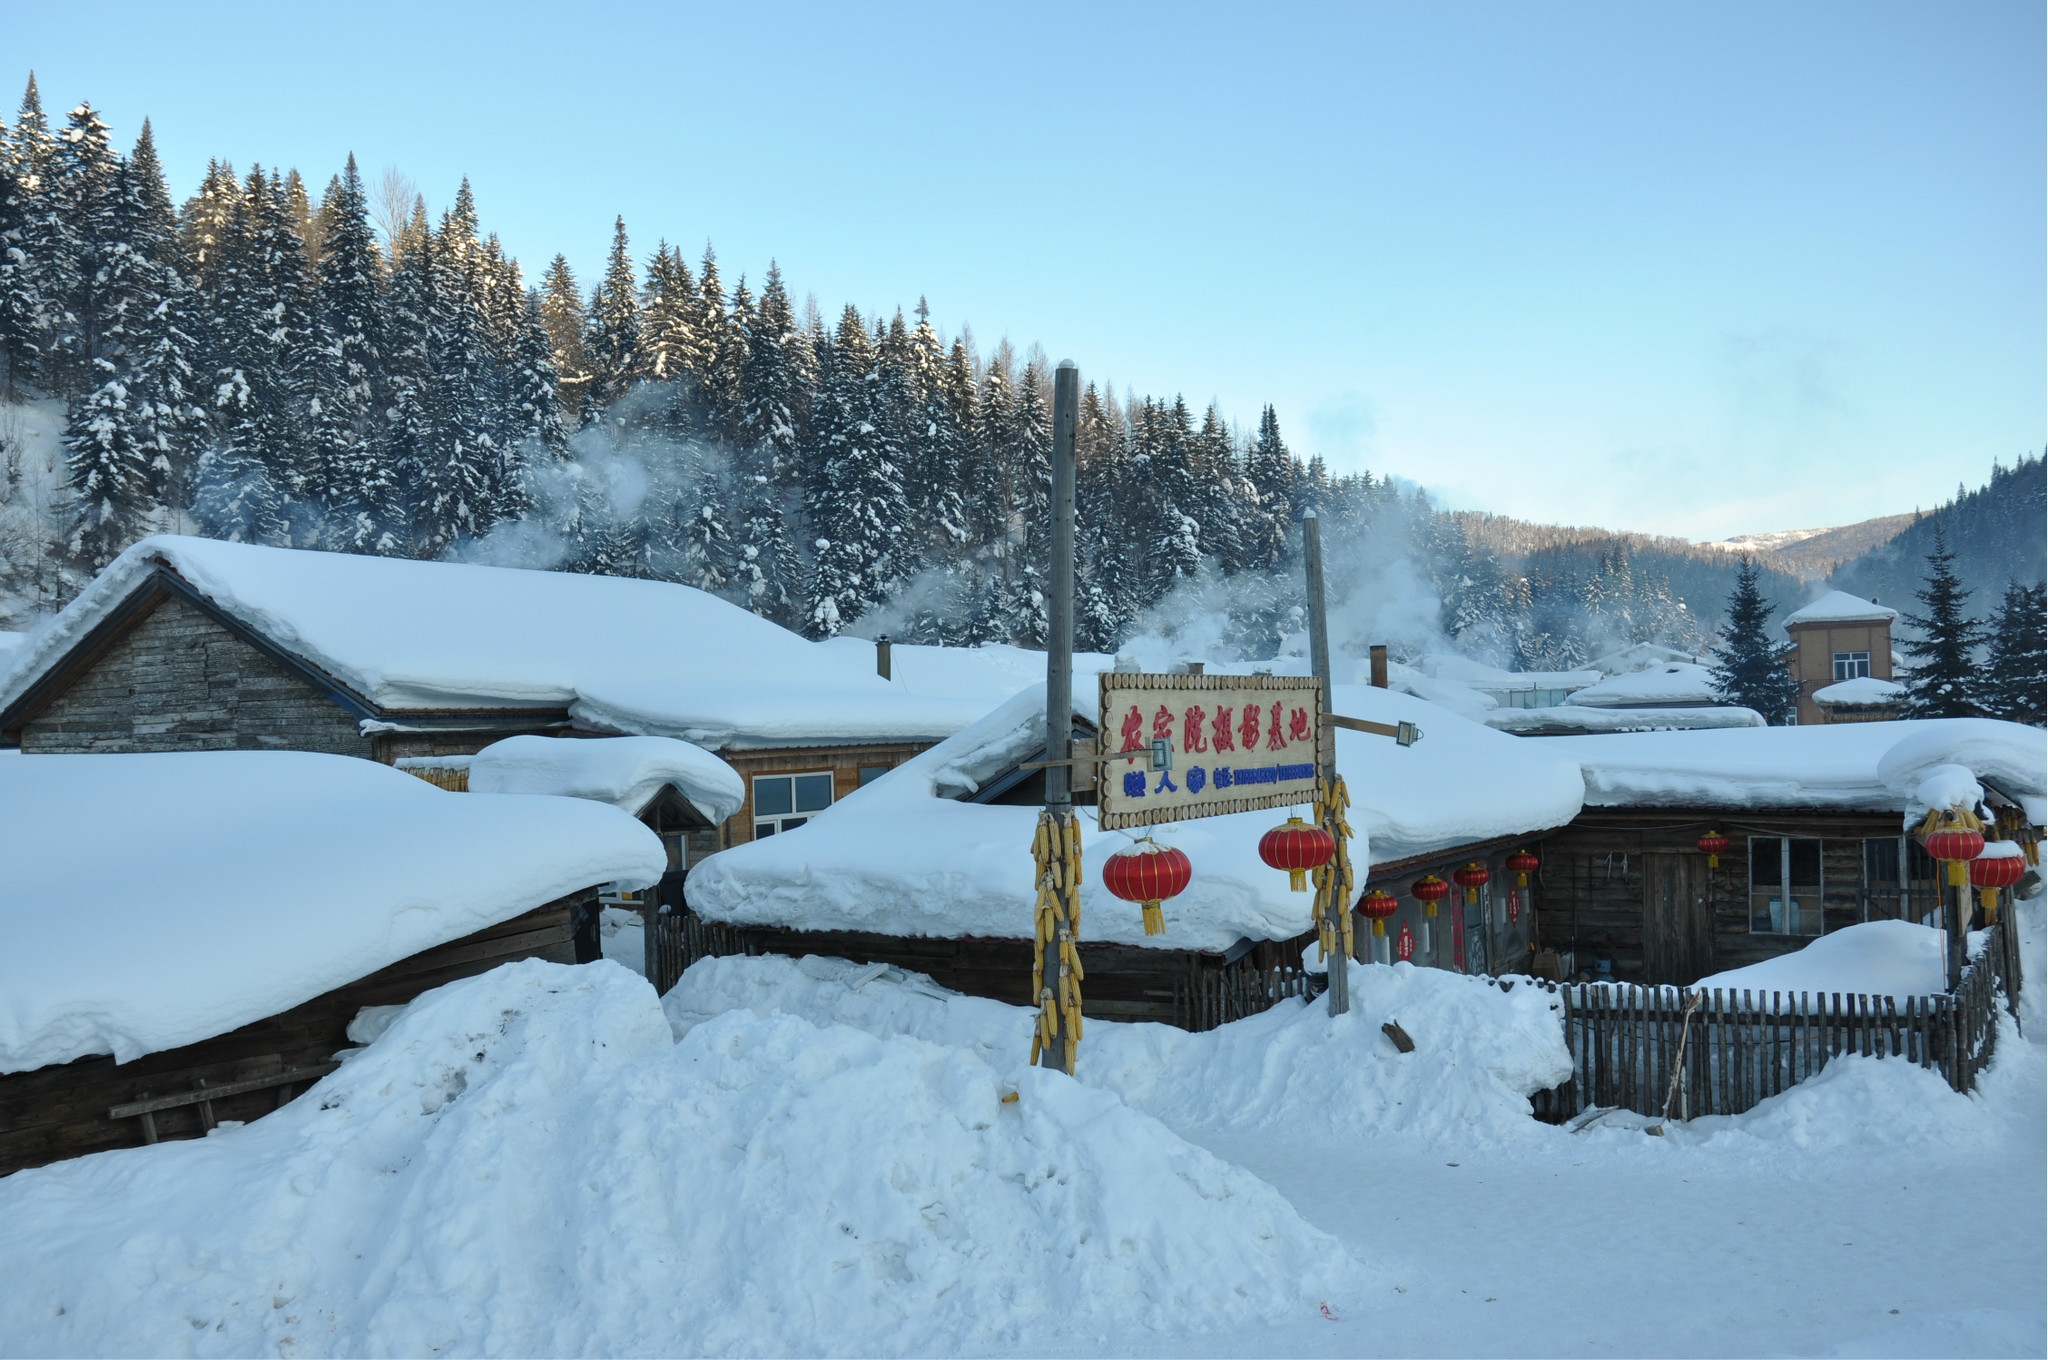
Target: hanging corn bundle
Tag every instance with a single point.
(1057, 850)
(1333, 876)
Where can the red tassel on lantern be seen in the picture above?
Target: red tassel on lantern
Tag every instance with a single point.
(1297, 847)
(1148, 874)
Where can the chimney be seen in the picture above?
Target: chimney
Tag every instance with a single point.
(882, 656)
(1379, 665)
(1192, 668)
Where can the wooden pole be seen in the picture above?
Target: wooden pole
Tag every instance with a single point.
(1059, 649)
(1319, 660)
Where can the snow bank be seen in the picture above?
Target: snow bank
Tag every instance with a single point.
(621, 655)
(1881, 958)
(1858, 1102)
(150, 901)
(1479, 1052)
(1839, 606)
(525, 1164)
(1872, 766)
(903, 857)
(1571, 716)
(1675, 682)
(624, 771)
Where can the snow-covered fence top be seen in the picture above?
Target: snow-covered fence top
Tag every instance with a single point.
(621, 655)
(152, 901)
(904, 857)
(1875, 766)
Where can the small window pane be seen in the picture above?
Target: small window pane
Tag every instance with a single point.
(1881, 861)
(1764, 866)
(763, 829)
(1920, 866)
(792, 823)
(813, 792)
(771, 796)
(1805, 863)
(870, 773)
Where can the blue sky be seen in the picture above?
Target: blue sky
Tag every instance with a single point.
(1690, 269)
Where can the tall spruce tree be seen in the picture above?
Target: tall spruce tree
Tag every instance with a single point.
(612, 342)
(1750, 670)
(353, 481)
(29, 305)
(856, 500)
(561, 311)
(2015, 683)
(1941, 669)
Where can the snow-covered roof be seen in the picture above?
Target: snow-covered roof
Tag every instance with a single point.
(620, 655)
(1574, 718)
(1637, 656)
(151, 901)
(1839, 606)
(1479, 675)
(1674, 682)
(1866, 691)
(1872, 766)
(903, 857)
(626, 772)
(986, 674)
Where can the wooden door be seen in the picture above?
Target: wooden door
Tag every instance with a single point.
(1678, 924)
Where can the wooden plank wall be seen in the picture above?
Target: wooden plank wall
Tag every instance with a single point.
(61, 1111)
(178, 681)
(1591, 897)
(1170, 986)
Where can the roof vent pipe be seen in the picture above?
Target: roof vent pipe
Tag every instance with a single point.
(882, 656)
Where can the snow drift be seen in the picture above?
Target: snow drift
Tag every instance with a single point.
(525, 1163)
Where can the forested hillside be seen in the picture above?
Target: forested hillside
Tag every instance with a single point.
(340, 370)
(1998, 532)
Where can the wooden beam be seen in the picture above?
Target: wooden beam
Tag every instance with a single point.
(206, 1094)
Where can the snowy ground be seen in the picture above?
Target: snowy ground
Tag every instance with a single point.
(816, 1157)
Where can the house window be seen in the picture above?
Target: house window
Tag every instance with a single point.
(1851, 665)
(870, 773)
(1784, 885)
(784, 802)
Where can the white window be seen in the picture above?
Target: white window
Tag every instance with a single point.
(1851, 665)
(1784, 886)
(784, 802)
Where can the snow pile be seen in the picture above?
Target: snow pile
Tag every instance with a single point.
(150, 901)
(904, 857)
(1673, 683)
(620, 655)
(626, 772)
(524, 1163)
(1942, 788)
(1863, 1102)
(1865, 691)
(1577, 719)
(1839, 606)
(1879, 958)
(1479, 1052)
(1872, 766)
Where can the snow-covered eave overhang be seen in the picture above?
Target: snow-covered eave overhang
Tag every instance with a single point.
(162, 582)
(1876, 804)
(1419, 859)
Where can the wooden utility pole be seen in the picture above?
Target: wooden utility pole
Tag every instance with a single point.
(1319, 660)
(1059, 661)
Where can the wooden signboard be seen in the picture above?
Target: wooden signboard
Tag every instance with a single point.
(1177, 747)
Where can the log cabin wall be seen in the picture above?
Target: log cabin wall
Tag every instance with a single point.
(1597, 871)
(180, 681)
(61, 1111)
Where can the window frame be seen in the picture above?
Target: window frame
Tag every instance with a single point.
(1786, 893)
(781, 823)
(1857, 665)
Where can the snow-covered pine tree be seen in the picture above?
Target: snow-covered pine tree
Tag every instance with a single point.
(768, 419)
(464, 473)
(1941, 668)
(166, 354)
(721, 358)
(728, 384)
(855, 501)
(668, 336)
(81, 248)
(1109, 558)
(612, 342)
(355, 486)
(938, 451)
(561, 311)
(411, 357)
(1750, 669)
(538, 440)
(2015, 684)
(30, 240)
(276, 349)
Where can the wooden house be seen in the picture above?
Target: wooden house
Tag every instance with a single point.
(1839, 637)
(168, 972)
(187, 644)
(1817, 820)
(929, 869)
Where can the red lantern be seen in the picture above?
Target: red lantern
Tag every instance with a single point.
(1404, 948)
(1472, 878)
(1376, 906)
(1989, 874)
(1297, 847)
(1148, 874)
(1522, 864)
(1955, 844)
(1713, 845)
(1429, 890)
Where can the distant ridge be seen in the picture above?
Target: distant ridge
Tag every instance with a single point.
(1816, 551)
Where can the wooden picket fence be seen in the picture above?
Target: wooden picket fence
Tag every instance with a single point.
(1732, 1050)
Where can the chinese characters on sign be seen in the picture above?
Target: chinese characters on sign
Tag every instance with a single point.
(1236, 742)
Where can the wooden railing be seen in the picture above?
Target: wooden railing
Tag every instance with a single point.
(1732, 1050)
